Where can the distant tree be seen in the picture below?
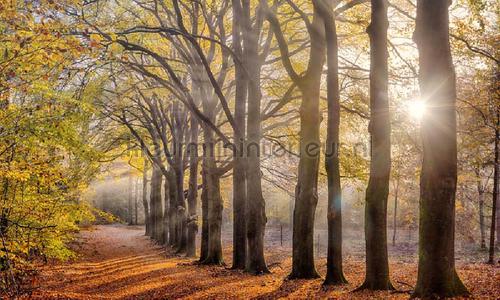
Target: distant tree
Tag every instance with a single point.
(145, 203)
(496, 177)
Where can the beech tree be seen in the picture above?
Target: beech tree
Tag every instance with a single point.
(145, 203)
(239, 174)
(306, 197)
(377, 192)
(436, 267)
(334, 274)
(496, 184)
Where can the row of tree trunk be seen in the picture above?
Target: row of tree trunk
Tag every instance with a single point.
(436, 275)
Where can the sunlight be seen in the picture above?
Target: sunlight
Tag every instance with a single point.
(416, 109)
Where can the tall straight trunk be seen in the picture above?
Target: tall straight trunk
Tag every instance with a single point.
(136, 201)
(192, 225)
(181, 210)
(179, 119)
(156, 207)
(147, 217)
(437, 276)
(334, 272)
(214, 253)
(214, 201)
(395, 216)
(239, 176)
(256, 211)
(495, 90)
(130, 190)
(496, 183)
(377, 261)
(192, 197)
(306, 191)
(204, 214)
(482, 226)
(166, 208)
(172, 209)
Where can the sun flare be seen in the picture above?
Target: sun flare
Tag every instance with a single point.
(416, 109)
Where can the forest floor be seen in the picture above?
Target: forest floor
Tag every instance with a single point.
(119, 262)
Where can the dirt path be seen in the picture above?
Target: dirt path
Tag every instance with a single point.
(116, 262)
(119, 262)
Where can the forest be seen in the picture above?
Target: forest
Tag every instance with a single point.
(249, 149)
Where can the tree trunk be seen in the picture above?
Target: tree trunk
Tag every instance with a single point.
(334, 272)
(136, 201)
(239, 176)
(147, 217)
(172, 209)
(166, 208)
(130, 190)
(480, 192)
(156, 208)
(256, 212)
(377, 262)
(179, 118)
(306, 195)
(496, 175)
(437, 276)
(306, 191)
(181, 210)
(214, 199)
(494, 98)
(204, 214)
(395, 217)
(214, 255)
(192, 222)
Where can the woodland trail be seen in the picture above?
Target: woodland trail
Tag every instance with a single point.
(119, 262)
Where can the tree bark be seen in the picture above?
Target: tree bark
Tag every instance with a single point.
(156, 207)
(204, 214)
(214, 254)
(147, 217)
(211, 194)
(437, 276)
(171, 189)
(496, 183)
(395, 216)
(181, 216)
(256, 211)
(481, 195)
(192, 197)
(377, 261)
(494, 98)
(136, 201)
(176, 178)
(334, 272)
(166, 209)
(306, 191)
(214, 201)
(239, 176)
(130, 190)
(482, 226)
